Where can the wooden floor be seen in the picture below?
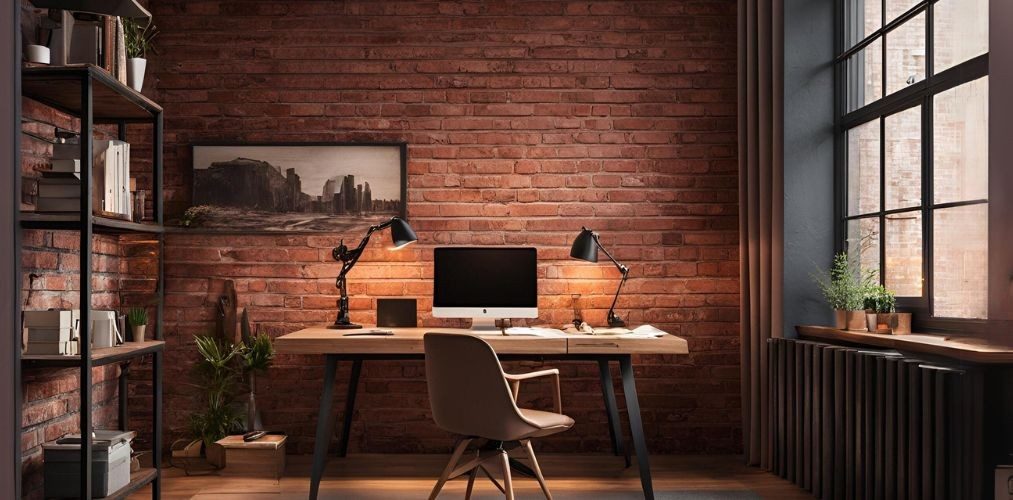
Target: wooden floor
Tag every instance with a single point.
(412, 476)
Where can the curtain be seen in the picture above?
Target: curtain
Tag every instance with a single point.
(761, 204)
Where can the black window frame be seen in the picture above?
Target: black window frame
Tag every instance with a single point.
(922, 94)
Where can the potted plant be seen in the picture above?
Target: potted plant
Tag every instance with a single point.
(138, 319)
(844, 288)
(258, 351)
(137, 41)
(217, 374)
(882, 317)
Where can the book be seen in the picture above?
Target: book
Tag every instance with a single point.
(69, 166)
(53, 318)
(50, 348)
(51, 335)
(59, 190)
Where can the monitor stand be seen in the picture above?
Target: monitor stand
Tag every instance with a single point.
(484, 325)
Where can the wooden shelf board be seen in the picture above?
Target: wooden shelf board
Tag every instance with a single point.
(138, 480)
(974, 350)
(60, 88)
(99, 357)
(71, 221)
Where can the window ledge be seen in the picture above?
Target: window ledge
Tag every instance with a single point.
(973, 350)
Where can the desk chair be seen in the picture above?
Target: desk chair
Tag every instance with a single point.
(471, 396)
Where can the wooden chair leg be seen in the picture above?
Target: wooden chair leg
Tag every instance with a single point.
(538, 470)
(508, 483)
(471, 483)
(454, 458)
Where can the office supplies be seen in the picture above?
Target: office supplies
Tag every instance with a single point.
(585, 247)
(368, 332)
(400, 233)
(407, 344)
(533, 331)
(396, 312)
(485, 284)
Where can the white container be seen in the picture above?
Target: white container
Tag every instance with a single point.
(135, 72)
(37, 54)
(110, 464)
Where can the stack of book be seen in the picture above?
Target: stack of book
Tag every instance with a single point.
(60, 188)
(51, 332)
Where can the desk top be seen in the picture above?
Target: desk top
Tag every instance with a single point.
(409, 341)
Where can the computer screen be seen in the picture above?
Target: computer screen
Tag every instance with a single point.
(484, 278)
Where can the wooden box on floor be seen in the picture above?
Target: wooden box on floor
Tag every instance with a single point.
(260, 458)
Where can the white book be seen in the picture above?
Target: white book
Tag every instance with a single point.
(51, 348)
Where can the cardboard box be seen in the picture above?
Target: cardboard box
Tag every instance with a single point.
(260, 458)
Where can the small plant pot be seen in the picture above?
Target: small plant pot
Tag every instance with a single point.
(899, 323)
(840, 319)
(878, 322)
(138, 332)
(855, 321)
(37, 54)
(135, 72)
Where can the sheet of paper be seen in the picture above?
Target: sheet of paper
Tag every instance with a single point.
(534, 331)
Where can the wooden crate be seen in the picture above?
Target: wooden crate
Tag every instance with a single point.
(260, 458)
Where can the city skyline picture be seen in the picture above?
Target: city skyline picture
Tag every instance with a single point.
(295, 187)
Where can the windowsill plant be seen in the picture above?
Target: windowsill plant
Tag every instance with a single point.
(845, 288)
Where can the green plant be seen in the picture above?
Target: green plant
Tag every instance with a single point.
(845, 286)
(218, 374)
(880, 300)
(138, 39)
(137, 316)
(258, 353)
(196, 215)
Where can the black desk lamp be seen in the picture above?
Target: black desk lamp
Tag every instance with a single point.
(585, 247)
(402, 235)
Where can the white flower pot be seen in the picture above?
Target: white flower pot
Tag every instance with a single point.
(135, 72)
(37, 54)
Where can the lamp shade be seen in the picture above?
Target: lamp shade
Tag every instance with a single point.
(584, 247)
(401, 233)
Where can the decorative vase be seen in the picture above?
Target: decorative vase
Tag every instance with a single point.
(135, 72)
(37, 54)
(856, 321)
(138, 331)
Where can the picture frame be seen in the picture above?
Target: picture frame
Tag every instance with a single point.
(296, 187)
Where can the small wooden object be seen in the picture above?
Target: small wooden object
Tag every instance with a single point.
(260, 458)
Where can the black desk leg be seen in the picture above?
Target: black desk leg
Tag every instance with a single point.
(346, 423)
(324, 424)
(636, 425)
(608, 393)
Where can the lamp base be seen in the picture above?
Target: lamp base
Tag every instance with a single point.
(343, 326)
(616, 322)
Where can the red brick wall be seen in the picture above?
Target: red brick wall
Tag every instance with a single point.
(526, 120)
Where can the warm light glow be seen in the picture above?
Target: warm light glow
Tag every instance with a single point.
(399, 247)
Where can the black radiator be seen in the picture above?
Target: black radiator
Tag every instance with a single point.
(854, 423)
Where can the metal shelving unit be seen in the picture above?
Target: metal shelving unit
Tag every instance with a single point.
(95, 97)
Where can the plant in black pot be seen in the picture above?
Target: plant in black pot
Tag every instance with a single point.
(845, 288)
(218, 374)
(258, 352)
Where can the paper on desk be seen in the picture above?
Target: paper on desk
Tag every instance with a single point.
(648, 331)
(533, 332)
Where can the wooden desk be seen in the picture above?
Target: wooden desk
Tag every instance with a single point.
(406, 343)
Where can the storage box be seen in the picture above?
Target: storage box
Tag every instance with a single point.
(110, 464)
(260, 458)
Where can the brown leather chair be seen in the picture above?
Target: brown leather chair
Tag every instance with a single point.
(471, 396)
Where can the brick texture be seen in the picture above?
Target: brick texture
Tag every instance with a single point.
(525, 121)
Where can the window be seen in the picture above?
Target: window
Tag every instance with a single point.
(912, 150)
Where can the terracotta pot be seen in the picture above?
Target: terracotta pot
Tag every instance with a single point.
(840, 319)
(878, 322)
(856, 321)
(899, 323)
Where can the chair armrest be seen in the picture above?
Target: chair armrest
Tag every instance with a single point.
(515, 384)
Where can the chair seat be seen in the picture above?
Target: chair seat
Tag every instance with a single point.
(547, 421)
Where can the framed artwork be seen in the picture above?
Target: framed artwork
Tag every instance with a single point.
(289, 187)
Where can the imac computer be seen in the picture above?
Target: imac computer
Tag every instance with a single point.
(485, 284)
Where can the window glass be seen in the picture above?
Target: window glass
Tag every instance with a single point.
(905, 54)
(902, 155)
(960, 262)
(863, 242)
(863, 18)
(960, 32)
(903, 244)
(863, 168)
(960, 143)
(894, 8)
(865, 75)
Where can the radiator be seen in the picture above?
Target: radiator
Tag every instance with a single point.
(851, 423)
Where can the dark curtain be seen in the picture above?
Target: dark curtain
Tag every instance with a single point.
(761, 204)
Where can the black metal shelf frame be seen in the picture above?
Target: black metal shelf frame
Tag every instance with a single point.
(84, 81)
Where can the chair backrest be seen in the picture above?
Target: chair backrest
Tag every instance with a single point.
(467, 391)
